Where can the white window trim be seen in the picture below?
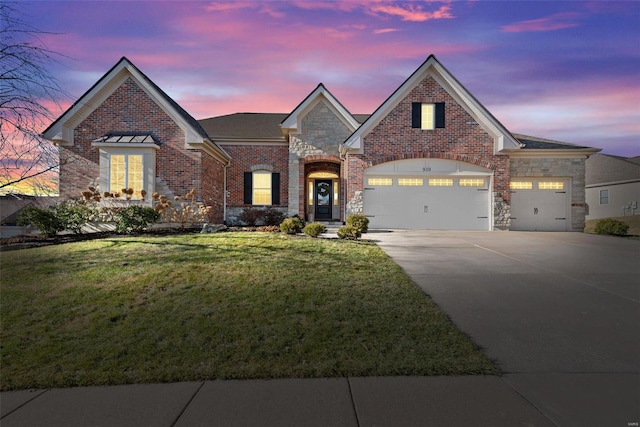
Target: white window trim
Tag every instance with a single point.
(148, 153)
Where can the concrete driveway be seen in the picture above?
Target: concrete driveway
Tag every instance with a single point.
(558, 312)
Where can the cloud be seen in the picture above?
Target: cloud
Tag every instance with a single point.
(412, 12)
(385, 30)
(557, 21)
(266, 8)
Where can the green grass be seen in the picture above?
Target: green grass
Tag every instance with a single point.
(230, 305)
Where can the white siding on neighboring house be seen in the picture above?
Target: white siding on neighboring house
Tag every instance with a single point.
(612, 186)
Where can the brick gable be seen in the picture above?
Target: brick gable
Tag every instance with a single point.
(130, 109)
(461, 139)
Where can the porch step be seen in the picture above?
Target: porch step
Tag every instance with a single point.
(331, 223)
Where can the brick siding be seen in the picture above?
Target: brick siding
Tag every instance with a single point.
(246, 157)
(130, 109)
(461, 139)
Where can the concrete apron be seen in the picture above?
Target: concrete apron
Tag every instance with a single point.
(558, 312)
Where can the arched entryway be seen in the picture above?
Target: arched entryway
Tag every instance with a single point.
(323, 191)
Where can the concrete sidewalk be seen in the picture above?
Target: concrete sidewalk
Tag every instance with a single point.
(387, 401)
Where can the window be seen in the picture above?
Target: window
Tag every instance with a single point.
(261, 187)
(380, 181)
(551, 185)
(521, 185)
(440, 182)
(335, 193)
(127, 160)
(427, 116)
(470, 182)
(604, 197)
(125, 171)
(410, 182)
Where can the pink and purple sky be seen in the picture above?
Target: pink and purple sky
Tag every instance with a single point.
(563, 70)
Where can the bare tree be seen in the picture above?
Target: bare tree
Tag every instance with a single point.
(26, 86)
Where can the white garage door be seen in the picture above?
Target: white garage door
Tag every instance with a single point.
(540, 204)
(428, 194)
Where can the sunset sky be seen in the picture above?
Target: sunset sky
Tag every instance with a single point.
(563, 70)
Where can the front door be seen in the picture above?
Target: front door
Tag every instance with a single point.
(323, 199)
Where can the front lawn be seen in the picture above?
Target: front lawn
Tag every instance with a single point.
(230, 305)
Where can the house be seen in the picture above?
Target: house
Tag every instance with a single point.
(612, 186)
(430, 157)
(11, 205)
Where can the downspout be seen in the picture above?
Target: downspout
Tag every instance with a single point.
(342, 152)
(225, 192)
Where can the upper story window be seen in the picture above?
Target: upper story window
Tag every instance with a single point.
(427, 116)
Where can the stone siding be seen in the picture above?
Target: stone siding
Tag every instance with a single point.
(320, 137)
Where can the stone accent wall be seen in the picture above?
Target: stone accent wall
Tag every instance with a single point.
(572, 167)
(501, 212)
(461, 139)
(321, 134)
(322, 129)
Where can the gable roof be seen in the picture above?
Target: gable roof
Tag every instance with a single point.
(61, 130)
(292, 123)
(432, 67)
(605, 169)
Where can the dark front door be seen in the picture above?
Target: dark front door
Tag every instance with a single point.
(323, 199)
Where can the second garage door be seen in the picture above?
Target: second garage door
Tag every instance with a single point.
(443, 195)
(539, 204)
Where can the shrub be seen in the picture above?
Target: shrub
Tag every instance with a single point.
(358, 221)
(611, 226)
(292, 225)
(74, 215)
(43, 219)
(272, 216)
(314, 229)
(349, 232)
(250, 216)
(133, 219)
(187, 211)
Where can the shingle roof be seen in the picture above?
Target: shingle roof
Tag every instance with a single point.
(603, 168)
(250, 125)
(245, 125)
(533, 142)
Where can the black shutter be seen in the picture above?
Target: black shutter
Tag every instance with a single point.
(416, 115)
(439, 114)
(248, 188)
(275, 188)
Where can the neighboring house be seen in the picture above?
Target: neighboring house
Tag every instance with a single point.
(10, 207)
(430, 157)
(612, 186)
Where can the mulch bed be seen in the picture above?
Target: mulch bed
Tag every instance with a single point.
(34, 241)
